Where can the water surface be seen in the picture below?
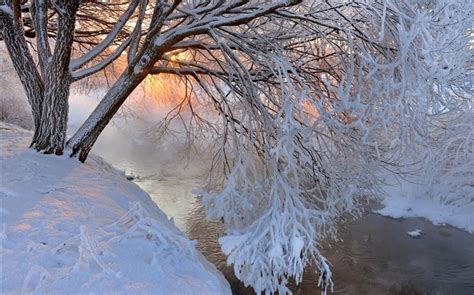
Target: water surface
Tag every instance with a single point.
(375, 254)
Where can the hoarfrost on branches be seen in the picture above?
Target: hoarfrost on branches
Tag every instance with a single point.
(299, 160)
(302, 102)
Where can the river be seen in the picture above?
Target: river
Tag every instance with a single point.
(375, 254)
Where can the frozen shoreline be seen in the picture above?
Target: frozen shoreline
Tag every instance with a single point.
(69, 227)
(409, 200)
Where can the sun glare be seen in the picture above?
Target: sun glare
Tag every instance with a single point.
(163, 89)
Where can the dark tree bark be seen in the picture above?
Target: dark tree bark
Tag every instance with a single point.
(51, 135)
(82, 142)
(48, 84)
(48, 91)
(23, 63)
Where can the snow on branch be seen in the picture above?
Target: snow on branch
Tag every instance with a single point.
(305, 101)
(299, 144)
(77, 75)
(39, 12)
(6, 9)
(108, 40)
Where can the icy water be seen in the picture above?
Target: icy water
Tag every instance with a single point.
(375, 256)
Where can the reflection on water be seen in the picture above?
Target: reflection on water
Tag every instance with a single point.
(375, 256)
(174, 197)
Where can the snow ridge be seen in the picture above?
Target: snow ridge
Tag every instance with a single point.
(68, 230)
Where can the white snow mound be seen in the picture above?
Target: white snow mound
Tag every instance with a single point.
(409, 200)
(415, 233)
(71, 228)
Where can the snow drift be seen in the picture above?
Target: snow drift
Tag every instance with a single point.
(69, 227)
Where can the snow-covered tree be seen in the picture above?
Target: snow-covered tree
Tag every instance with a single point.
(449, 169)
(304, 100)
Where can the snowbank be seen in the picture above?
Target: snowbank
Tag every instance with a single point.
(405, 200)
(444, 190)
(69, 227)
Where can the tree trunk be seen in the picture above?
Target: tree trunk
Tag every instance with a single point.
(47, 93)
(83, 140)
(23, 63)
(50, 135)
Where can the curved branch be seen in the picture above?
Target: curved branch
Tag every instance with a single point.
(96, 51)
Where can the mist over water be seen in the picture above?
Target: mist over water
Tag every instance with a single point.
(130, 138)
(166, 168)
(375, 255)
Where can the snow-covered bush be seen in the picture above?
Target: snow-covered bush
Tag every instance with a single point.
(13, 104)
(14, 110)
(444, 150)
(277, 207)
(450, 169)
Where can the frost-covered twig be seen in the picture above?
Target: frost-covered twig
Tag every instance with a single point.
(88, 247)
(42, 275)
(6, 9)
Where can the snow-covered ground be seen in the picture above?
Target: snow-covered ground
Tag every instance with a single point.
(405, 200)
(68, 227)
